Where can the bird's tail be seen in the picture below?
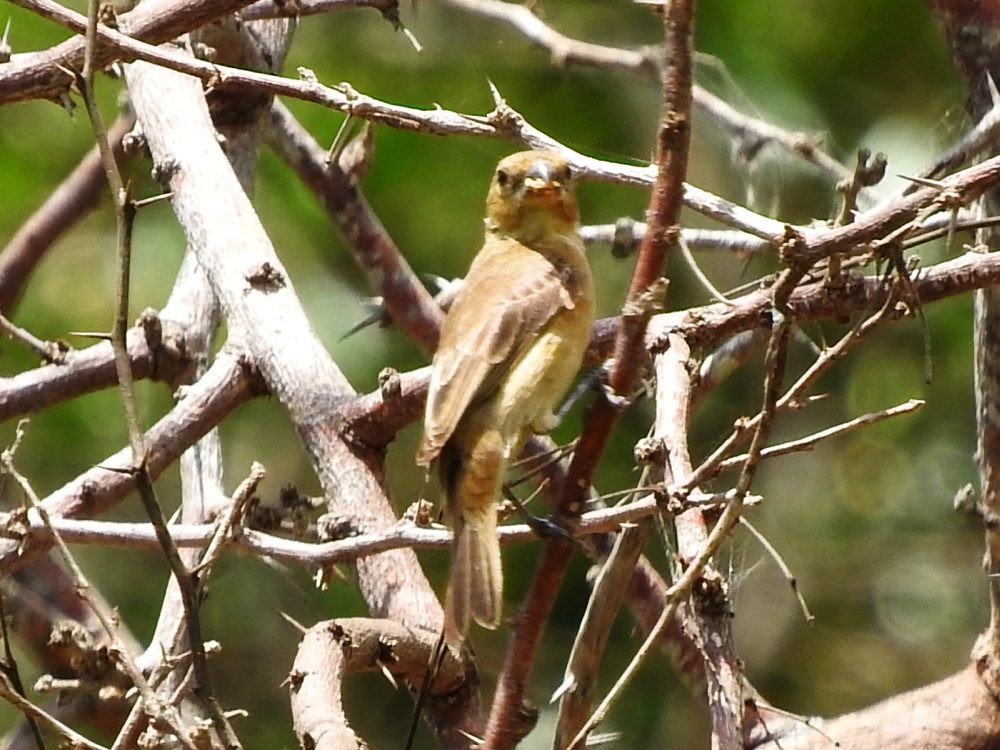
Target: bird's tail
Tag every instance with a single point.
(472, 482)
(475, 590)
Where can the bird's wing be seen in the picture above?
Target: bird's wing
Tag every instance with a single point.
(509, 295)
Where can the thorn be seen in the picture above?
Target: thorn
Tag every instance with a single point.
(936, 184)
(388, 675)
(5, 50)
(293, 622)
(498, 100)
(99, 335)
(412, 39)
(376, 316)
(142, 203)
(567, 684)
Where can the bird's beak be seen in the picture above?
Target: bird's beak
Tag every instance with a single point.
(540, 178)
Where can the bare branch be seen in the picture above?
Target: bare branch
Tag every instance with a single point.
(331, 650)
(404, 298)
(153, 353)
(224, 387)
(42, 75)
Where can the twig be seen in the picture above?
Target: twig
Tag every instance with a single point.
(563, 50)
(232, 518)
(741, 243)
(709, 466)
(11, 673)
(809, 442)
(698, 273)
(313, 554)
(83, 587)
(37, 715)
(48, 351)
(124, 216)
(779, 561)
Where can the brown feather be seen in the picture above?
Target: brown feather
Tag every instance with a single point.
(513, 292)
(510, 346)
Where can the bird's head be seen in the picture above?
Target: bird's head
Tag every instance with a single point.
(533, 194)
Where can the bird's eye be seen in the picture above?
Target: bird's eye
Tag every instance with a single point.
(566, 174)
(502, 178)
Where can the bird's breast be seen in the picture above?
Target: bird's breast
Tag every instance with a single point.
(540, 376)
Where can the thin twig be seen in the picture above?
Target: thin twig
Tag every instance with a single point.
(311, 554)
(11, 673)
(120, 651)
(124, 216)
(37, 715)
(744, 428)
(48, 351)
(810, 441)
(782, 565)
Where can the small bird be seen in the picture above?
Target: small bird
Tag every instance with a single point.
(510, 346)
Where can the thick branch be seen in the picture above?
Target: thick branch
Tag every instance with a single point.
(40, 75)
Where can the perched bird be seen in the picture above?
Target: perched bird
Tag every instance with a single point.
(510, 346)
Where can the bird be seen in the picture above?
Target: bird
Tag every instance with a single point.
(511, 345)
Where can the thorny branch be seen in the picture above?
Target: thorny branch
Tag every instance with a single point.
(379, 416)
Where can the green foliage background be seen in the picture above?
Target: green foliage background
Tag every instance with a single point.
(865, 523)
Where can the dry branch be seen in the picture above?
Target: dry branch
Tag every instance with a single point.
(225, 386)
(331, 650)
(42, 75)
(404, 298)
